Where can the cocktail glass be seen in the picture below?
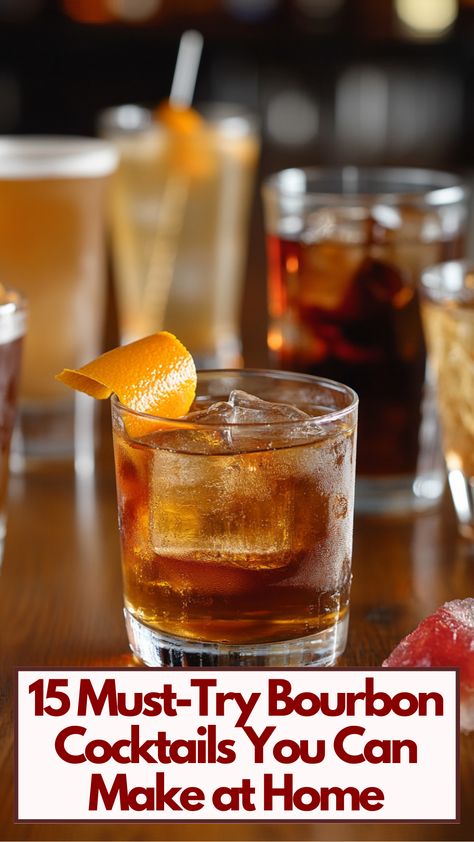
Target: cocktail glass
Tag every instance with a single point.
(179, 216)
(447, 305)
(236, 522)
(346, 248)
(12, 331)
(52, 247)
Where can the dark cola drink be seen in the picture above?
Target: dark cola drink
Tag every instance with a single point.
(343, 304)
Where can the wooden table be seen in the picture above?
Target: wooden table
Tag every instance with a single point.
(60, 605)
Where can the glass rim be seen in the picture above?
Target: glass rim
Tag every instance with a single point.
(55, 156)
(231, 118)
(434, 281)
(432, 187)
(308, 379)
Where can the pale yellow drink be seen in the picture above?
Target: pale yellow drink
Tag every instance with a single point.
(52, 248)
(180, 213)
(447, 306)
(450, 336)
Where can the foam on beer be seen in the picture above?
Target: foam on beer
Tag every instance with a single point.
(38, 157)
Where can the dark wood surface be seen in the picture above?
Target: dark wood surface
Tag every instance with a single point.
(60, 605)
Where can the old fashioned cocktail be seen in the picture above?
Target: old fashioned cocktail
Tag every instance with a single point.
(236, 522)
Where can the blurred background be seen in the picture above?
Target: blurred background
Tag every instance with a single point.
(332, 81)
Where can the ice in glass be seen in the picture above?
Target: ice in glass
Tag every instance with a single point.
(346, 249)
(236, 522)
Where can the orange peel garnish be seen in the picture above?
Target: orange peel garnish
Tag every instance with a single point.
(191, 142)
(184, 121)
(155, 375)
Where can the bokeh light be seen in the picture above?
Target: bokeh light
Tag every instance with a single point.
(87, 11)
(396, 111)
(292, 118)
(427, 17)
(362, 110)
(134, 10)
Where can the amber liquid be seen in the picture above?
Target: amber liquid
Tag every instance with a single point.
(52, 249)
(349, 311)
(244, 547)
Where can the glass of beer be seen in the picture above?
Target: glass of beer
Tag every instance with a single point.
(346, 248)
(179, 212)
(12, 331)
(52, 247)
(447, 305)
(236, 522)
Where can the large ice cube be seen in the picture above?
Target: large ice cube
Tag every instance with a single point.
(255, 494)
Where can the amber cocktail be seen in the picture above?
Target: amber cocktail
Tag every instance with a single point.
(236, 522)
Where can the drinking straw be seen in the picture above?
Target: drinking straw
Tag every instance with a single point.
(175, 191)
(186, 69)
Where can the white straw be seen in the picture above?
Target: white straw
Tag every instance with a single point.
(186, 70)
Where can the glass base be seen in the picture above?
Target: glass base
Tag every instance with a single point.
(157, 649)
(402, 495)
(56, 433)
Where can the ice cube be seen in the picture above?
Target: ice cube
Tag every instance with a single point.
(348, 226)
(242, 423)
(406, 224)
(230, 510)
(444, 639)
(249, 409)
(238, 501)
(218, 413)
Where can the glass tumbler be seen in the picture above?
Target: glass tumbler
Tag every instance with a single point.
(237, 534)
(346, 248)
